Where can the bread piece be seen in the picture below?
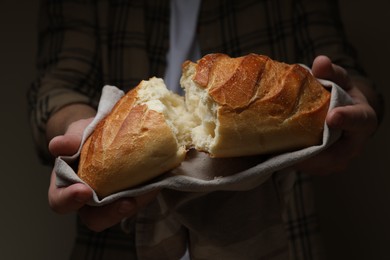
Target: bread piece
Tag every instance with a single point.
(253, 105)
(145, 135)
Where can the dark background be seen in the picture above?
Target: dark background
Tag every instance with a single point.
(354, 206)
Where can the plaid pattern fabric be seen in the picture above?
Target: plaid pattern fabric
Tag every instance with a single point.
(112, 243)
(301, 222)
(84, 45)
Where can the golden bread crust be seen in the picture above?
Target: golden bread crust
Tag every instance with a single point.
(133, 144)
(264, 106)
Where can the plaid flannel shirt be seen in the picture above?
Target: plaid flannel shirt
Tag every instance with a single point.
(84, 45)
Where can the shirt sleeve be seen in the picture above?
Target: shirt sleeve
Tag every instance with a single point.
(67, 63)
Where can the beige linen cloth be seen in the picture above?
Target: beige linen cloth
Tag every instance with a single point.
(218, 208)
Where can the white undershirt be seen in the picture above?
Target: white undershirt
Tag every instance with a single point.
(182, 40)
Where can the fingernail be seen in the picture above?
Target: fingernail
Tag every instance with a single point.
(126, 207)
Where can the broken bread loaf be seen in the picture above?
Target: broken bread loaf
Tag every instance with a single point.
(253, 105)
(232, 107)
(145, 135)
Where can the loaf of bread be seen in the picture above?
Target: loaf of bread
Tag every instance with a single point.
(253, 105)
(232, 107)
(143, 136)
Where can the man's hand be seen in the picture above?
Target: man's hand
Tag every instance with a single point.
(74, 198)
(357, 123)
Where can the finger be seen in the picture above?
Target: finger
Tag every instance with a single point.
(358, 118)
(77, 128)
(101, 218)
(69, 143)
(64, 145)
(68, 199)
(324, 68)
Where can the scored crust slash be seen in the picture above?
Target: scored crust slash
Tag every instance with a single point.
(232, 107)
